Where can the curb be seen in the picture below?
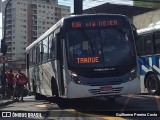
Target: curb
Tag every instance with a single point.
(7, 102)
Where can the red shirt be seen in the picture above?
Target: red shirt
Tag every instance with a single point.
(10, 78)
(21, 79)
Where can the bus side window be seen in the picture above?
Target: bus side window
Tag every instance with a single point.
(30, 57)
(34, 55)
(45, 49)
(37, 54)
(52, 46)
(139, 45)
(145, 44)
(157, 41)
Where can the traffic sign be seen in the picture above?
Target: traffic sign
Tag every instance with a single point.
(3, 59)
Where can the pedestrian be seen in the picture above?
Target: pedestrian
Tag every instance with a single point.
(10, 82)
(3, 82)
(20, 81)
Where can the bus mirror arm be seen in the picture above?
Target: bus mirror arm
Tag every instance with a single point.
(134, 32)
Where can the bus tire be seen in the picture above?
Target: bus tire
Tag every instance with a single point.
(63, 103)
(153, 84)
(54, 88)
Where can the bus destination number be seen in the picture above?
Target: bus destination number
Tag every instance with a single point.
(76, 24)
(103, 23)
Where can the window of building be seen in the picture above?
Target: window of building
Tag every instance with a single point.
(34, 11)
(43, 22)
(24, 26)
(24, 37)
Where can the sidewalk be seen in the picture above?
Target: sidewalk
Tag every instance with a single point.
(5, 101)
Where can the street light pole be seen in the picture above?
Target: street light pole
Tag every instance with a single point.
(78, 7)
(3, 44)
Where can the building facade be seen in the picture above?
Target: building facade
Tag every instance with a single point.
(146, 19)
(28, 19)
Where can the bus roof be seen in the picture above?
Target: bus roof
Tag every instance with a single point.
(60, 23)
(154, 27)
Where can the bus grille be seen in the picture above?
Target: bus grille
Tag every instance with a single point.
(113, 91)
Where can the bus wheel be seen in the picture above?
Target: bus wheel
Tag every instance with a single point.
(54, 88)
(153, 84)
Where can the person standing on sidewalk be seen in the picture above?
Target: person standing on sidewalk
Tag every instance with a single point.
(21, 81)
(10, 82)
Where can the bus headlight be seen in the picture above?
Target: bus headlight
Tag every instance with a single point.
(133, 73)
(74, 77)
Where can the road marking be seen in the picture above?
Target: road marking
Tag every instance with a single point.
(126, 102)
(42, 105)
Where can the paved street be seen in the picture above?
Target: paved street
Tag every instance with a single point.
(138, 105)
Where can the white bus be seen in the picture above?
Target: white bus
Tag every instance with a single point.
(85, 56)
(148, 50)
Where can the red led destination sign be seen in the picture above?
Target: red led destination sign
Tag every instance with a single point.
(97, 23)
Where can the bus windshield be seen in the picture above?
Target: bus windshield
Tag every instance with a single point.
(100, 48)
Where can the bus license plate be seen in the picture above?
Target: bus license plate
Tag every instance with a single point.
(106, 88)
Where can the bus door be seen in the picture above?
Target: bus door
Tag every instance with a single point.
(60, 55)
